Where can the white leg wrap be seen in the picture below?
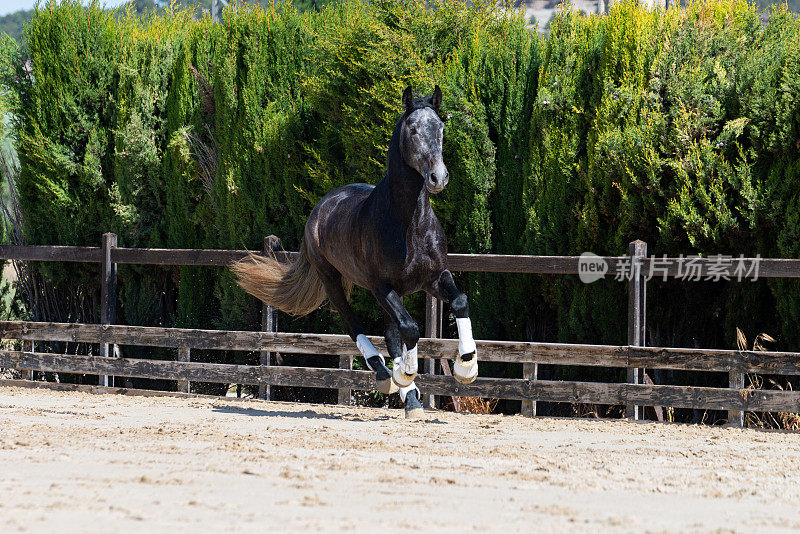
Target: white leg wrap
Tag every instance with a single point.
(405, 368)
(404, 391)
(408, 361)
(465, 342)
(367, 349)
(465, 371)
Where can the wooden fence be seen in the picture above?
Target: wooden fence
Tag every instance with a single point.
(636, 269)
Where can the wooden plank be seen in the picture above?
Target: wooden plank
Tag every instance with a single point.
(198, 257)
(193, 371)
(659, 410)
(345, 395)
(622, 394)
(434, 314)
(434, 317)
(735, 381)
(448, 373)
(637, 252)
(541, 390)
(689, 359)
(108, 296)
(431, 330)
(500, 351)
(499, 263)
(694, 268)
(181, 337)
(513, 264)
(51, 253)
(530, 371)
(101, 390)
(785, 363)
(690, 267)
(269, 320)
(269, 323)
(88, 388)
(184, 355)
(778, 268)
(28, 346)
(702, 267)
(154, 256)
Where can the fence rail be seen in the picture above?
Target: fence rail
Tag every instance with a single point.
(490, 263)
(634, 356)
(515, 389)
(622, 356)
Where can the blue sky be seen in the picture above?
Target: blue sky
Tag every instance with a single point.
(9, 6)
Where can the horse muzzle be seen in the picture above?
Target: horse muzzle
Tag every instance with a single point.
(436, 180)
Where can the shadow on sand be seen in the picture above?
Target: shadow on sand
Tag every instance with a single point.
(311, 414)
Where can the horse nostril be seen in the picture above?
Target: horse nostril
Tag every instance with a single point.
(433, 179)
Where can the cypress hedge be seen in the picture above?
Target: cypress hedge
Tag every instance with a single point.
(678, 127)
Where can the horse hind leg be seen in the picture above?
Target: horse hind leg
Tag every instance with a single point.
(337, 293)
(410, 395)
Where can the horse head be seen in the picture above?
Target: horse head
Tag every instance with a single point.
(421, 137)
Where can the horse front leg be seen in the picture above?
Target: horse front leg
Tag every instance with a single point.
(410, 395)
(465, 367)
(405, 367)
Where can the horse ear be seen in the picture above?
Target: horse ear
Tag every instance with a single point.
(436, 98)
(408, 97)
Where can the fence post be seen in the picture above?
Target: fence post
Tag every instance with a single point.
(184, 355)
(269, 321)
(433, 329)
(530, 371)
(345, 394)
(637, 298)
(108, 297)
(735, 381)
(28, 346)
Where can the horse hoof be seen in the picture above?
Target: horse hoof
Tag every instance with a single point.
(387, 386)
(415, 413)
(401, 379)
(383, 376)
(413, 405)
(465, 368)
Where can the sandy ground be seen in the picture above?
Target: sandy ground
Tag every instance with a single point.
(80, 462)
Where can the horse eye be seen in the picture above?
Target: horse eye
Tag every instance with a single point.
(413, 131)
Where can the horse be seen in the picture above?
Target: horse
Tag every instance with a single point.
(385, 238)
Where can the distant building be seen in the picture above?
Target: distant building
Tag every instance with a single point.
(539, 12)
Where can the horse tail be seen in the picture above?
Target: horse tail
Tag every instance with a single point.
(293, 287)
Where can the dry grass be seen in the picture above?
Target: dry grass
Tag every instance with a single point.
(580, 409)
(669, 414)
(772, 420)
(473, 404)
(596, 411)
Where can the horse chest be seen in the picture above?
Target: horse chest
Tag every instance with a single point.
(422, 261)
(409, 259)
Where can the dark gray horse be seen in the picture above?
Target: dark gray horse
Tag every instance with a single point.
(385, 238)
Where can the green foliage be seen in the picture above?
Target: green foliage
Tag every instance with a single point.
(681, 128)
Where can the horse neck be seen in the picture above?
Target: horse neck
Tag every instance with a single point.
(407, 195)
(402, 191)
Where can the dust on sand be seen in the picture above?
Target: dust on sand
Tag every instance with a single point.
(77, 462)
